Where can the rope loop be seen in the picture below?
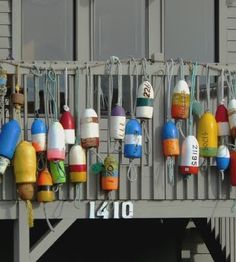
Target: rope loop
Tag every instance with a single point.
(77, 195)
(48, 221)
(130, 178)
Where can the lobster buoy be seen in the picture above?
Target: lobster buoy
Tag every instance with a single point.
(145, 99)
(38, 133)
(232, 167)
(109, 179)
(222, 120)
(68, 124)
(77, 164)
(170, 139)
(118, 118)
(17, 99)
(133, 139)
(89, 129)
(232, 117)
(57, 169)
(24, 163)
(8, 140)
(45, 191)
(56, 142)
(222, 159)
(180, 100)
(207, 135)
(189, 156)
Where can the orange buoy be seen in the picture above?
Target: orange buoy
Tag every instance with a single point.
(45, 187)
(180, 100)
(110, 174)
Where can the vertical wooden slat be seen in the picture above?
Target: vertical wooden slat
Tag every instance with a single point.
(71, 94)
(25, 84)
(232, 238)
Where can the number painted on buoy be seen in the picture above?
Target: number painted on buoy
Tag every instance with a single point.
(111, 210)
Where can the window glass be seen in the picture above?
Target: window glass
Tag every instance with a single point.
(189, 30)
(47, 29)
(119, 29)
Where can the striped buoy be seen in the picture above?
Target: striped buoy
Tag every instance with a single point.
(170, 139)
(38, 134)
(189, 156)
(56, 142)
(207, 135)
(109, 179)
(222, 120)
(9, 137)
(89, 129)
(68, 124)
(77, 164)
(45, 191)
(145, 99)
(133, 139)
(232, 117)
(180, 100)
(222, 158)
(117, 124)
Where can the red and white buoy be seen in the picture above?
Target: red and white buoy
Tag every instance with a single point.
(68, 124)
(56, 142)
(77, 164)
(222, 120)
(189, 156)
(89, 128)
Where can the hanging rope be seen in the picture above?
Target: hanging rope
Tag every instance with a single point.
(30, 213)
(170, 159)
(169, 73)
(66, 107)
(131, 166)
(77, 107)
(192, 92)
(77, 195)
(131, 83)
(181, 67)
(47, 220)
(3, 91)
(18, 100)
(144, 69)
(51, 93)
(222, 87)
(208, 87)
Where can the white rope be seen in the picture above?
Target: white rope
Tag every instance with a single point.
(65, 107)
(48, 221)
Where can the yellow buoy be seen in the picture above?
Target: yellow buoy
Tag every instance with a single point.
(207, 135)
(24, 163)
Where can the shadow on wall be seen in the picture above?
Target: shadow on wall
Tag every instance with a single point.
(128, 240)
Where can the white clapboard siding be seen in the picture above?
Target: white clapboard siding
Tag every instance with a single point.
(5, 28)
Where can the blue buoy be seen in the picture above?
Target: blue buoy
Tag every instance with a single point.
(9, 137)
(133, 139)
(222, 158)
(38, 133)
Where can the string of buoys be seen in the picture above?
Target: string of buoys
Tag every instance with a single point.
(59, 135)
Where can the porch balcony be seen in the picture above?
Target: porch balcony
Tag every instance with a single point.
(144, 184)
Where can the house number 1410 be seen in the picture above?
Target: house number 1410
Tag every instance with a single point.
(111, 209)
